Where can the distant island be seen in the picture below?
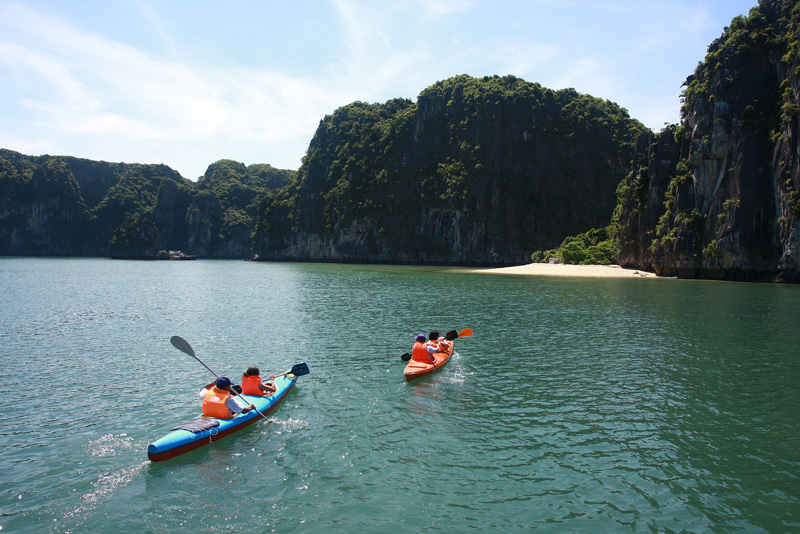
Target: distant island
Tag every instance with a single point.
(491, 171)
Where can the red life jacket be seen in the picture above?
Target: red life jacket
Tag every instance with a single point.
(420, 353)
(214, 404)
(251, 385)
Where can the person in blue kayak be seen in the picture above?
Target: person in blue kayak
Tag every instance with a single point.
(253, 385)
(221, 403)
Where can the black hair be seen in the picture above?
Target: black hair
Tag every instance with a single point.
(252, 371)
(433, 335)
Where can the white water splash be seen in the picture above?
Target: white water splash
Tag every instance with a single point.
(110, 444)
(290, 423)
(105, 486)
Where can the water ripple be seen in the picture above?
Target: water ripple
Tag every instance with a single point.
(577, 406)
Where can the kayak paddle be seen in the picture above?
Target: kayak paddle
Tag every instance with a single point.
(183, 346)
(300, 369)
(450, 336)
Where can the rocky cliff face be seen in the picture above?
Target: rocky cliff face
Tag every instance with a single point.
(44, 214)
(478, 171)
(64, 206)
(717, 197)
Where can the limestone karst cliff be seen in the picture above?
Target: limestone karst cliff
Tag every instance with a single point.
(65, 206)
(477, 171)
(717, 196)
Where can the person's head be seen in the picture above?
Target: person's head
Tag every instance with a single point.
(252, 371)
(433, 335)
(420, 338)
(223, 382)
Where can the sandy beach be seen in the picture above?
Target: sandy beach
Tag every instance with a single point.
(557, 269)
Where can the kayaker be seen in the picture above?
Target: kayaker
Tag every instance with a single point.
(219, 402)
(253, 385)
(436, 343)
(420, 353)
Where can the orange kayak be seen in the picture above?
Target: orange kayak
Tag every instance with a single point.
(418, 369)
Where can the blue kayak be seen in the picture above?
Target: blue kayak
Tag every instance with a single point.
(204, 430)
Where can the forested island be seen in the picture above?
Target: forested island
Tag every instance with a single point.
(477, 171)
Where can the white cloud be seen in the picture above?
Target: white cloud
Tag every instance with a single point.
(87, 85)
(440, 8)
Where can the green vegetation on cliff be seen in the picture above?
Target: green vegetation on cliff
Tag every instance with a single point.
(476, 171)
(774, 25)
(128, 209)
(240, 190)
(716, 196)
(595, 247)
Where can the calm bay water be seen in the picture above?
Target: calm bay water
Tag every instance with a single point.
(578, 405)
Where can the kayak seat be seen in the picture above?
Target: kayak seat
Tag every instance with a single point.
(198, 425)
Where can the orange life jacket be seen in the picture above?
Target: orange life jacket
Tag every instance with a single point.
(420, 353)
(214, 404)
(251, 385)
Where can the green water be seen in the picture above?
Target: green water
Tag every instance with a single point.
(578, 405)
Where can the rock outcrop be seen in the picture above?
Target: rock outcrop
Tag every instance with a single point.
(717, 196)
(477, 171)
(65, 206)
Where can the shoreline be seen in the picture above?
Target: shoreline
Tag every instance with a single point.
(562, 269)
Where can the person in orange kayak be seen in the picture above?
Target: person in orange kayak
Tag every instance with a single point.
(253, 385)
(419, 353)
(436, 343)
(219, 402)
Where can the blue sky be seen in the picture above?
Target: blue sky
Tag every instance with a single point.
(188, 83)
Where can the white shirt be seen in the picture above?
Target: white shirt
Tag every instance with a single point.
(434, 348)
